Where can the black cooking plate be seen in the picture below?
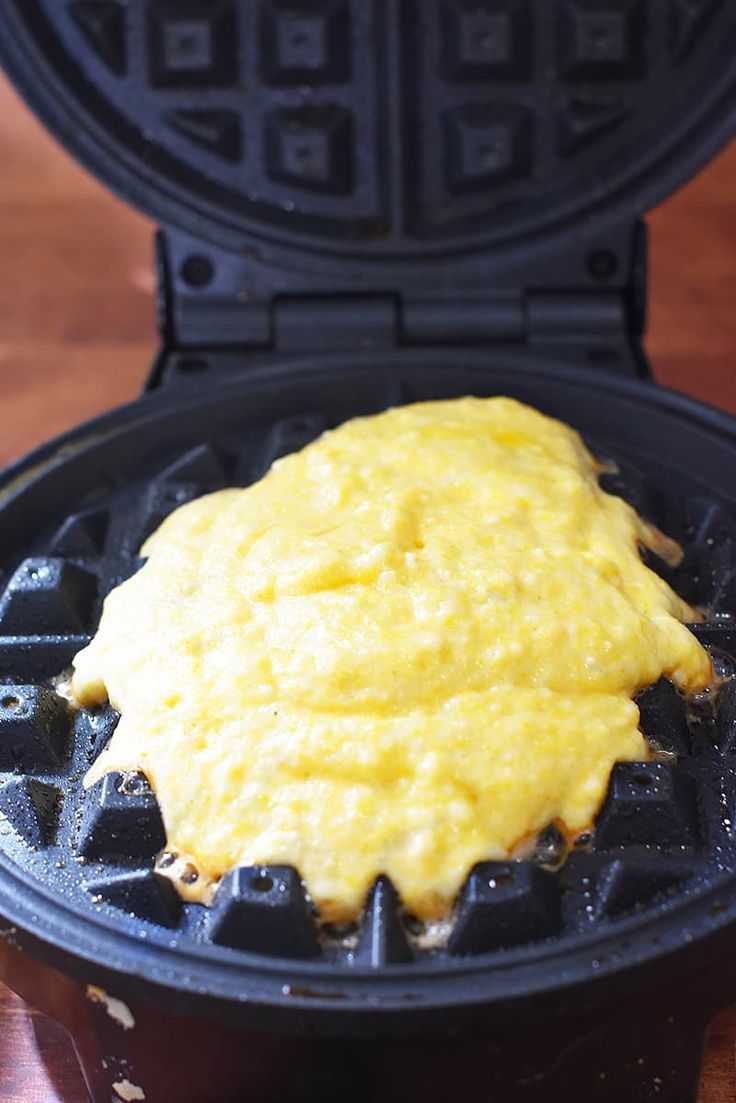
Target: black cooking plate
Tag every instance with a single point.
(366, 205)
(73, 520)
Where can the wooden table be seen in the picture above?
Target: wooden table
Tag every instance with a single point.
(77, 334)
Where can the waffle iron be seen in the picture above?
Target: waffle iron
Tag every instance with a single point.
(364, 204)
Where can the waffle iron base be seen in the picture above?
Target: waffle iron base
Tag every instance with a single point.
(595, 982)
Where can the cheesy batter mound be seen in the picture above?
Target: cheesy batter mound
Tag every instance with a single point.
(406, 649)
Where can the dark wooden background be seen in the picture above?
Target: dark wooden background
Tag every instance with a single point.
(77, 334)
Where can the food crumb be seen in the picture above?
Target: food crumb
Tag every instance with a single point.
(8, 935)
(115, 1008)
(127, 1091)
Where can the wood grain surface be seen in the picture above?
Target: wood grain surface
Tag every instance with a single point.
(76, 337)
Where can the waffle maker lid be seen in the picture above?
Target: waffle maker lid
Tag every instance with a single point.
(409, 147)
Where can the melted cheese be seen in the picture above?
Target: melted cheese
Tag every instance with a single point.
(406, 649)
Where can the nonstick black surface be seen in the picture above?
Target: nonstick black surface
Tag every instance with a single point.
(76, 868)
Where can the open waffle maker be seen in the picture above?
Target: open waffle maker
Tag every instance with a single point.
(364, 204)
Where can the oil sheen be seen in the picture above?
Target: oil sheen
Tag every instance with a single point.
(406, 649)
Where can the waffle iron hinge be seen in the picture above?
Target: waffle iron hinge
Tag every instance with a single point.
(213, 302)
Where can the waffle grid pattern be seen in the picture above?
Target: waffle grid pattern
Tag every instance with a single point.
(667, 828)
(387, 125)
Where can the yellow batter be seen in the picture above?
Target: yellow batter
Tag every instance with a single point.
(406, 649)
